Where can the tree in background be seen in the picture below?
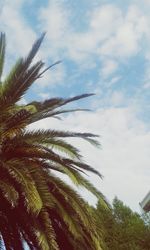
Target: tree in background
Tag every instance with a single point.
(123, 229)
(36, 206)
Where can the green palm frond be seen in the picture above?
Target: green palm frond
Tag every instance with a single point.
(52, 201)
(27, 186)
(41, 135)
(64, 147)
(36, 206)
(54, 103)
(12, 90)
(46, 224)
(21, 76)
(41, 185)
(46, 109)
(82, 165)
(50, 142)
(70, 197)
(79, 180)
(9, 193)
(33, 51)
(2, 52)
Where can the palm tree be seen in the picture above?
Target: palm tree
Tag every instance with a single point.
(36, 207)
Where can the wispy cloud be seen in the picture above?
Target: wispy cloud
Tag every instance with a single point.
(108, 68)
(20, 35)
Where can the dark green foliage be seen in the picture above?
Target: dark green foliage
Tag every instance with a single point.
(123, 229)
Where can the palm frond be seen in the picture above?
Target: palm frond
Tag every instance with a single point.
(9, 193)
(46, 109)
(21, 77)
(44, 134)
(2, 52)
(46, 224)
(55, 144)
(32, 199)
(33, 50)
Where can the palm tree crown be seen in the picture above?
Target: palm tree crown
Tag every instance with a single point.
(36, 206)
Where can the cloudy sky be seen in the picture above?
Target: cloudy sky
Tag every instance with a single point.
(104, 47)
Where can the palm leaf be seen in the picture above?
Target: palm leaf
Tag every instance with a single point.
(2, 52)
(42, 135)
(9, 193)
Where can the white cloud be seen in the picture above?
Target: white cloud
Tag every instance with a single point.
(102, 22)
(54, 19)
(19, 35)
(112, 34)
(107, 19)
(147, 85)
(108, 68)
(114, 80)
(117, 98)
(44, 95)
(146, 80)
(125, 42)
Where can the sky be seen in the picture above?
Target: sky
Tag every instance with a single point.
(104, 47)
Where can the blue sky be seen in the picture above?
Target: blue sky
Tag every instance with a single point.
(105, 48)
